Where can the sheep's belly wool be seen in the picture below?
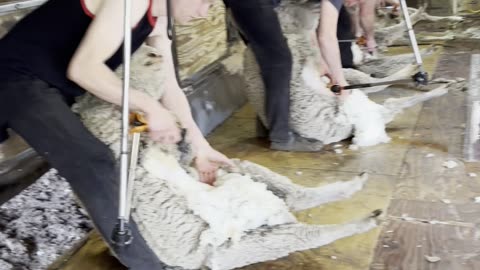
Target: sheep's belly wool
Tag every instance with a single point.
(233, 206)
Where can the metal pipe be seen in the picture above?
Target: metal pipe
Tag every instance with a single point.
(170, 26)
(411, 34)
(121, 235)
(132, 170)
(346, 40)
(125, 111)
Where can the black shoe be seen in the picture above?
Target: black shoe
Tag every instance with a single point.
(297, 143)
(260, 129)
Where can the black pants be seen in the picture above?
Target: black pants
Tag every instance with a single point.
(259, 24)
(345, 32)
(39, 113)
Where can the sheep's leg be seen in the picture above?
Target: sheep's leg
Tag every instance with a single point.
(388, 65)
(305, 198)
(430, 18)
(354, 76)
(266, 244)
(394, 32)
(404, 73)
(298, 197)
(395, 106)
(416, 15)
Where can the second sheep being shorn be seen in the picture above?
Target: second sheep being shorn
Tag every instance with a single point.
(314, 111)
(246, 217)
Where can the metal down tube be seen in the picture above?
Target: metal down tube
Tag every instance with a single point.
(411, 34)
(121, 235)
(169, 20)
(131, 171)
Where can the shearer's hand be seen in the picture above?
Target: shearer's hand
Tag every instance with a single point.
(162, 126)
(343, 93)
(207, 161)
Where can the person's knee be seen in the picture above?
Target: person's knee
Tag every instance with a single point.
(92, 168)
(98, 155)
(85, 159)
(277, 59)
(287, 58)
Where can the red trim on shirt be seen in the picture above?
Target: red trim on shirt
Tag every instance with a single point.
(151, 19)
(85, 9)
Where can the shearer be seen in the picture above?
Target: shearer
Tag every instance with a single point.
(67, 47)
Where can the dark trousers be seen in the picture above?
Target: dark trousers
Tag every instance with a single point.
(345, 32)
(39, 113)
(260, 26)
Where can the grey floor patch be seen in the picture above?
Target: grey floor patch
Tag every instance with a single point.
(40, 224)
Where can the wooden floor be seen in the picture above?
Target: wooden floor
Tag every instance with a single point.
(430, 209)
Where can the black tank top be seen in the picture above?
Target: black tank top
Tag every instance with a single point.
(43, 42)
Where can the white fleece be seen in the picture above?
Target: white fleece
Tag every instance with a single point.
(367, 119)
(234, 205)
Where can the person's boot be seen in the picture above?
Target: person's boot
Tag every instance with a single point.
(297, 143)
(260, 129)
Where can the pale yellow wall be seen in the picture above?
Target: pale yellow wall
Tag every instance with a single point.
(202, 42)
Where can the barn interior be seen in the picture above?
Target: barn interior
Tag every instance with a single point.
(426, 179)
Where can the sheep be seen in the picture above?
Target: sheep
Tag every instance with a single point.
(313, 112)
(170, 204)
(246, 217)
(389, 30)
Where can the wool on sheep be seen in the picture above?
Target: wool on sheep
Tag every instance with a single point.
(248, 209)
(314, 111)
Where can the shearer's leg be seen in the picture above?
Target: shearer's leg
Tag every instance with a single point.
(38, 113)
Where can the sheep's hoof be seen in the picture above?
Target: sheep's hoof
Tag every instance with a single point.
(375, 217)
(376, 213)
(364, 176)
